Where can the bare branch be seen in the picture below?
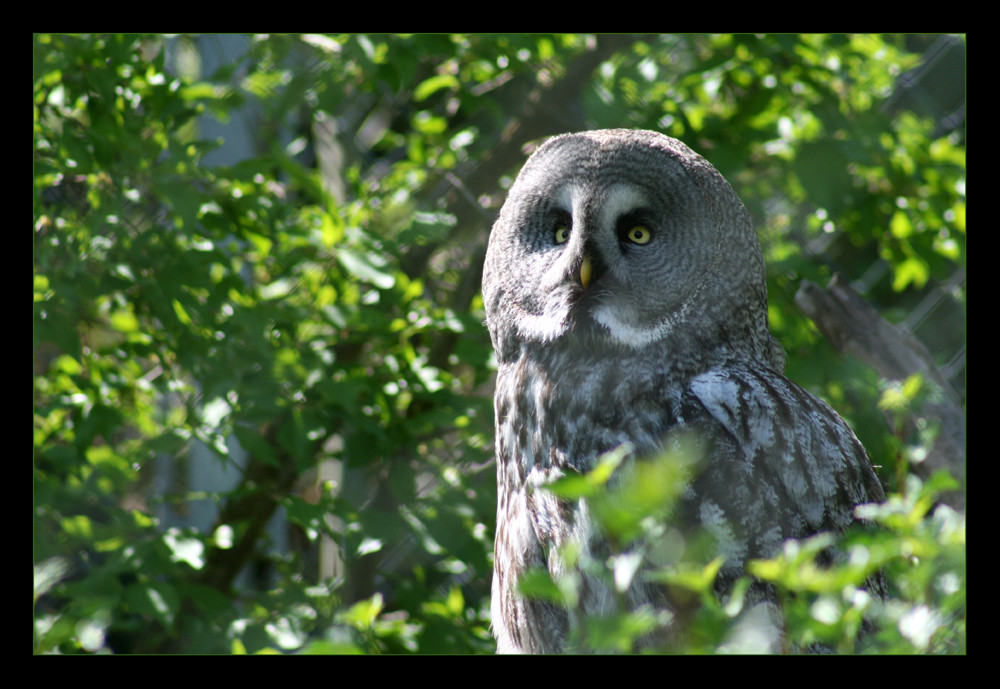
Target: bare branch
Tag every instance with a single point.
(855, 328)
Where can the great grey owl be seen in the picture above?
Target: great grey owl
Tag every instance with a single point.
(625, 297)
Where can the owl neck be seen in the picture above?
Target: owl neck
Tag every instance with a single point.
(562, 404)
(560, 408)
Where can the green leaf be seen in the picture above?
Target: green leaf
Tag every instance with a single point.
(575, 486)
(258, 448)
(154, 598)
(537, 583)
(187, 549)
(912, 271)
(49, 573)
(182, 315)
(328, 648)
(362, 615)
(364, 267)
(431, 86)
(900, 225)
(125, 321)
(690, 576)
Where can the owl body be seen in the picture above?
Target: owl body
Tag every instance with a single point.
(625, 297)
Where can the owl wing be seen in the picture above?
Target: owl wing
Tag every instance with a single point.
(781, 463)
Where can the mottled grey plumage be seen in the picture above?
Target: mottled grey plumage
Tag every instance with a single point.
(605, 336)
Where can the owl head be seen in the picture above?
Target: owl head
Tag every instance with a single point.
(625, 240)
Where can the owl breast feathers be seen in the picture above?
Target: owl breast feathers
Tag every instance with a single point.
(625, 296)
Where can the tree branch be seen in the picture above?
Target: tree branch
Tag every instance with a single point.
(854, 327)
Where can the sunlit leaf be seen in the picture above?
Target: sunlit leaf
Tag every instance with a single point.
(361, 266)
(434, 84)
(362, 614)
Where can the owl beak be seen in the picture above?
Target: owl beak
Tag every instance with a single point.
(585, 271)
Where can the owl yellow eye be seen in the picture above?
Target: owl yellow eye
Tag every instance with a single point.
(639, 235)
(561, 235)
